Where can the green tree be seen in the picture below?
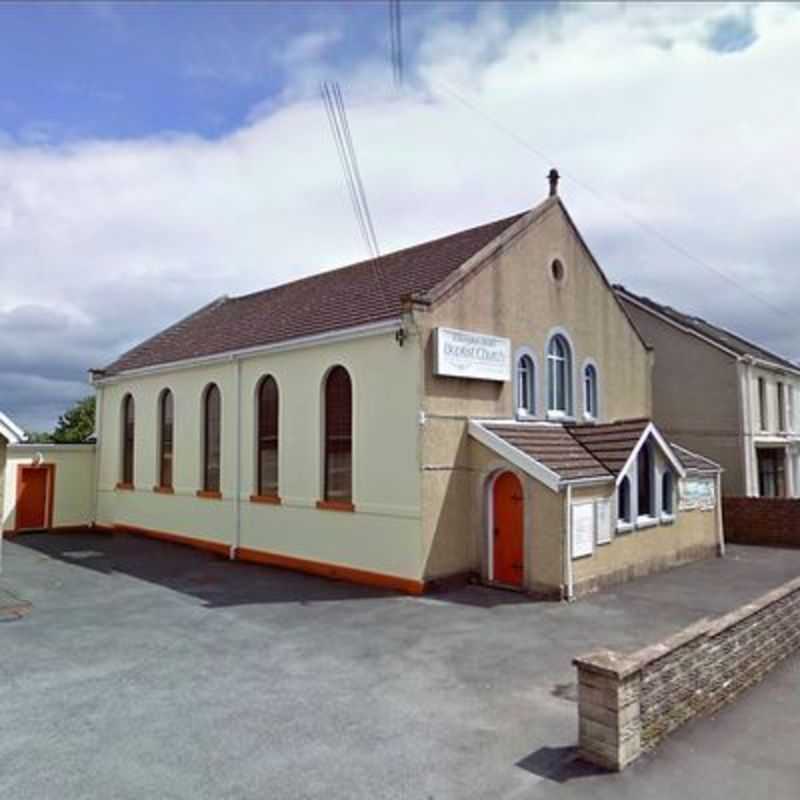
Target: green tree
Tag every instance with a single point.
(76, 424)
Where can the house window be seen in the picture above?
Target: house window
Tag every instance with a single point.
(526, 405)
(590, 391)
(644, 481)
(771, 473)
(212, 429)
(128, 439)
(762, 403)
(667, 494)
(624, 502)
(559, 376)
(338, 423)
(268, 438)
(781, 407)
(166, 435)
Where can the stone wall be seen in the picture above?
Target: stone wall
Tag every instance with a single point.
(628, 703)
(773, 521)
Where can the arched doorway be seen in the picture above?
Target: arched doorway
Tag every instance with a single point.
(508, 522)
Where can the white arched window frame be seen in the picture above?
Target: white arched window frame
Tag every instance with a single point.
(560, 375)
(525, 401)
(591, 390)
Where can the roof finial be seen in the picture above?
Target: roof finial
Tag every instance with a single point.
(553, 177)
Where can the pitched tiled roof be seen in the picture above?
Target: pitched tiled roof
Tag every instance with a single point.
(731, 341)
(552, 446)
(611, 444)
(693, 462)
(362, 293)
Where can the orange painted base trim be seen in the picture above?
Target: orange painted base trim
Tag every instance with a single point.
(336, 571)
(335, 505)
(163, 490)
(125, 487)
(176, 538)
(267, 499)
(208, 494)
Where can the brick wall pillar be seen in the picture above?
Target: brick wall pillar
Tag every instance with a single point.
(609, 724)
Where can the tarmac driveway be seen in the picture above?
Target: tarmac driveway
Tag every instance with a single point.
(147, 670)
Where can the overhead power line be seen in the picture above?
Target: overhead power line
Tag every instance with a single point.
(396, 36)
(645, 226)
(340, 129)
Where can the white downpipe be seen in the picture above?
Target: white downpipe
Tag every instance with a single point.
(98, 430)
(720, 524)
(237, 536)
(568, 577)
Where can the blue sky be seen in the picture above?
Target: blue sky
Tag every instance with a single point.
(154, 156)
(135, 69)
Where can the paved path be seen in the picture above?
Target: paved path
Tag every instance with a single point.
(147, 670)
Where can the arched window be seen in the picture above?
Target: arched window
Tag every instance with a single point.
(644, 480)
(526, 404)
(559, 376)
(128, 439)
(267, 485)
(590, 391)
(212, 428)
(338, 437)
(166, 410)
(624, 501)
(667, 494)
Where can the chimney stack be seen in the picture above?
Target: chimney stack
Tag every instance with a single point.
(553, 177)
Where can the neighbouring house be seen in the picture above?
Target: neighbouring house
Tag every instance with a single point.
(478, 404)
(725, 396)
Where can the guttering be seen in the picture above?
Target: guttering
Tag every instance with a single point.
(328, 337)
(569, 580)
(578, 482)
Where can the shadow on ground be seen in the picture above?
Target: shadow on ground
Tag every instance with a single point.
(213, 579)
(559, 764)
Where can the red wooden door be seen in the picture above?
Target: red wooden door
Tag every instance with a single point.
(508, 512)
(32, 498)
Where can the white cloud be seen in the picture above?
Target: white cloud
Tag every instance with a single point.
(113, 240)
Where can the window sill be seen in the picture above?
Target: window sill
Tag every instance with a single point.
(163, 490)
(560, 416)
(646, 522)
(209, 495)
(624, 527)
(266, 499)
(589, 418)
(335, 505)
(667, 519)
(125, 487)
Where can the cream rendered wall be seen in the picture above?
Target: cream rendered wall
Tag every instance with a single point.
(514, 295)
(73, 485)
(383, 535)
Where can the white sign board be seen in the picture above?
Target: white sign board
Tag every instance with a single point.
(463, 354)
(582, 529)
(603, 521)
(696, 493)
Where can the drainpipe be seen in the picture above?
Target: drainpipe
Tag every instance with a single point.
(98, 450)
(720, 524)
(568, 577)
(237, 535)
